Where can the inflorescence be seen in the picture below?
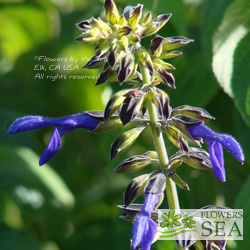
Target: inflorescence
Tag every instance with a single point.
(123, 59)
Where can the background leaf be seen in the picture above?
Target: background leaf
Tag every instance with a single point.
(21, 160)
(231, 53)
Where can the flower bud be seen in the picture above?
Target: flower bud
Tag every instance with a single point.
(156, 184)
(135, 16)
(124, 141)
(182, 123)
(145, 59)
(214, 244)
(132, 164)
(169, 55)
(105, 75)
(156, 46)
(96, 61)
(196, 158)
(171, 43)
(194, 112)
(152, 154)
(100, 24)
(135, 189)
(131, 106)
(159, 62)
(123, 31)
(125, 68)
(174, 162)
(83, 26)
(147, 19)
(91, 36)
(130, 212)
(163, 104)
(156, 24)
(114, 103)
(186, 243)
(114, 121)
(164, 76)
(176, 138)
(179, 182)
(112, 14)
(122, 21)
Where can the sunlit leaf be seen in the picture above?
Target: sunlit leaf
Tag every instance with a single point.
(20, 174)
(23, 28)
(231, 55)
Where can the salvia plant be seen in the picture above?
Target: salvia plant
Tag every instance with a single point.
(144, 104)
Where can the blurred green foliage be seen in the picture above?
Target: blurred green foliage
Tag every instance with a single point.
(71, 203)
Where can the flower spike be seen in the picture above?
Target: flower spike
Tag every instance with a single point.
(123, 59)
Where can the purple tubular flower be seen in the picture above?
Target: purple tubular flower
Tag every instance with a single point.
(62, 126)
(144, 229)
(215, 142)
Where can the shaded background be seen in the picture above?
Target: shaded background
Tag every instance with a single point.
(71, 203)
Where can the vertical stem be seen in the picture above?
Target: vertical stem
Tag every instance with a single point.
(171, 190)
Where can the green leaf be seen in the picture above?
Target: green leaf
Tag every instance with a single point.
(241, 78)
(24, 28)
(213, 11)
(84, 79)
(20, 173)
(231, 53)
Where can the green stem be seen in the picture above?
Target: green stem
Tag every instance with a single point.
(171, 190)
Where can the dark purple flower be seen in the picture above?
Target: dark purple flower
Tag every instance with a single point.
(62, 126)
(215, 142)
(144, 229)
